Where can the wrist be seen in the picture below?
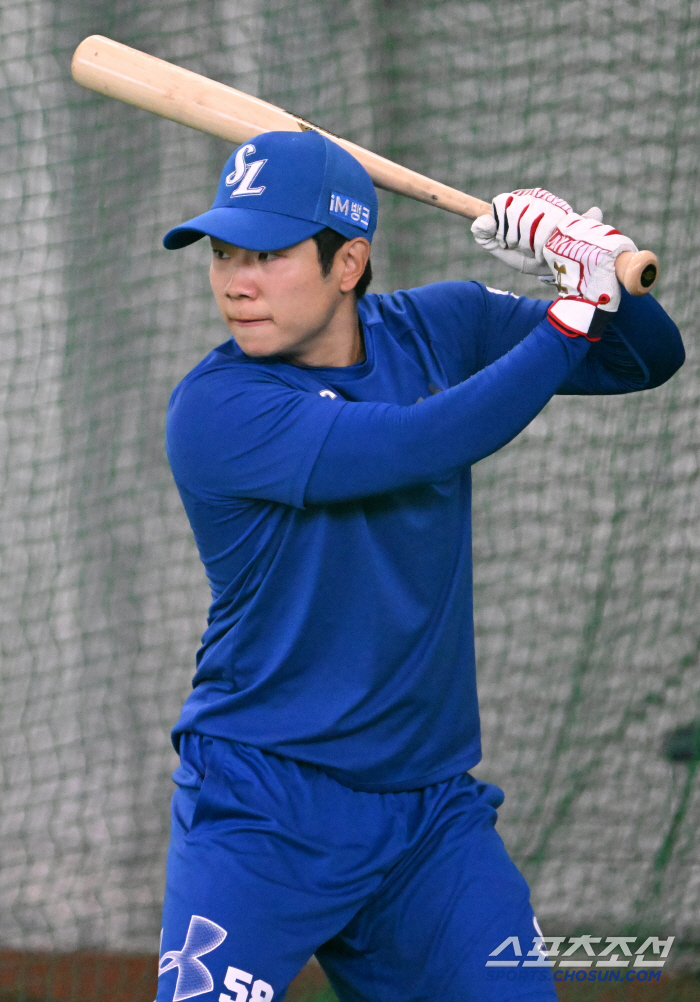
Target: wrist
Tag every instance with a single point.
(575, 316)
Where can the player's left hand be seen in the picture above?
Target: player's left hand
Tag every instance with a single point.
(518, 227)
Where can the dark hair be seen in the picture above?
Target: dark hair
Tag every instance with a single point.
(329, 242)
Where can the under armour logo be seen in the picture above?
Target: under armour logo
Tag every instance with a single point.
(560, 270)
(193, 978)
(244, 174)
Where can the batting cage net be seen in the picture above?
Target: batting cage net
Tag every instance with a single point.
(587, 539)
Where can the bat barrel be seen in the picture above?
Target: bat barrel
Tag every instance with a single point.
(170, 91)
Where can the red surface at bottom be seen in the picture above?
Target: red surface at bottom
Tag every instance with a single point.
(120, 977)
(103, 977)
(78, 977)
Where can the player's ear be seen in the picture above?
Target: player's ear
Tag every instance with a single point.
(354, 256)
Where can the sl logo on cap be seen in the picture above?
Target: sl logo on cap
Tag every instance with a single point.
(353, 212)
(245, 173)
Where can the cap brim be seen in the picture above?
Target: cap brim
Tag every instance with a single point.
(252, 229)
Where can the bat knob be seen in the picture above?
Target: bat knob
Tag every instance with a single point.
(638, 271)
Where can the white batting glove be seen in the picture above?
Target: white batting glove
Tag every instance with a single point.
(574, 252)
(581, 253)
(588, 316)
(518, 227)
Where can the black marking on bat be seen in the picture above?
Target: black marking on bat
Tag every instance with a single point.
(307, 126)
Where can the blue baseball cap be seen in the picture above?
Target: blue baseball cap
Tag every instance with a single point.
(281, 188)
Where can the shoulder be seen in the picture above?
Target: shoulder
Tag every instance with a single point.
(455, 317)
(431, 306)
(225, 373)
(437, 307)
(218, 400)
(440, 317)
(239, 427)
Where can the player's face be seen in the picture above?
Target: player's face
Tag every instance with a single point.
(279, 303)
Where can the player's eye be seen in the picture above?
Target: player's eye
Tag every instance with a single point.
(265, 255)
(219, 254)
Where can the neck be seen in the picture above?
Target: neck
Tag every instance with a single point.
(339, 343)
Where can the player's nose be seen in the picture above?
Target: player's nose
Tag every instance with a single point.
(241, 282)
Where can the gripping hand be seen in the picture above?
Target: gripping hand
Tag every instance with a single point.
(581, 254)
(575, 248)
(537, 233)
(519, 226)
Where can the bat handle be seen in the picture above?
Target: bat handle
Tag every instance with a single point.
(637, 271)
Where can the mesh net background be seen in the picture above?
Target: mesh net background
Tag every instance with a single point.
(587, 547)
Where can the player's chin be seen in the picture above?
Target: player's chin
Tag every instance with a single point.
(257, 343)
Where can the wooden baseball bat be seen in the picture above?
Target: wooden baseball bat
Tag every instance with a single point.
(119, 71)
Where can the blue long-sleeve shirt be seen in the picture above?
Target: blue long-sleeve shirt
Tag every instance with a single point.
(331, 508)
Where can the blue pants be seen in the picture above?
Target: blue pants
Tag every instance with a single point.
(401, 896)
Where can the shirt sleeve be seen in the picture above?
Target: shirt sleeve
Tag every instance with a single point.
(641, 348)
(375, 448)
(246, 434)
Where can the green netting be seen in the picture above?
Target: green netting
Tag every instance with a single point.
(587, 547)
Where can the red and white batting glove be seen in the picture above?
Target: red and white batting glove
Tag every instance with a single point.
(519, 226)
(580, 316)
(581, 254)
(576, 247)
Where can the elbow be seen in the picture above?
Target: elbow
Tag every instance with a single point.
(677, 363)
(678, 352)
(673, 357)
(653, 336)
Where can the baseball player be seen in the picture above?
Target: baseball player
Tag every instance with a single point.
(324, 803)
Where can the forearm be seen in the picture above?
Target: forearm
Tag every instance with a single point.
(642, 349)
(378, 448)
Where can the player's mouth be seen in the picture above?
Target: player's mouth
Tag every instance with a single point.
(252, 322)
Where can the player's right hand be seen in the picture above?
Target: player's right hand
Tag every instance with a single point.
(575, 251)
(581, 252)
(519, 226)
